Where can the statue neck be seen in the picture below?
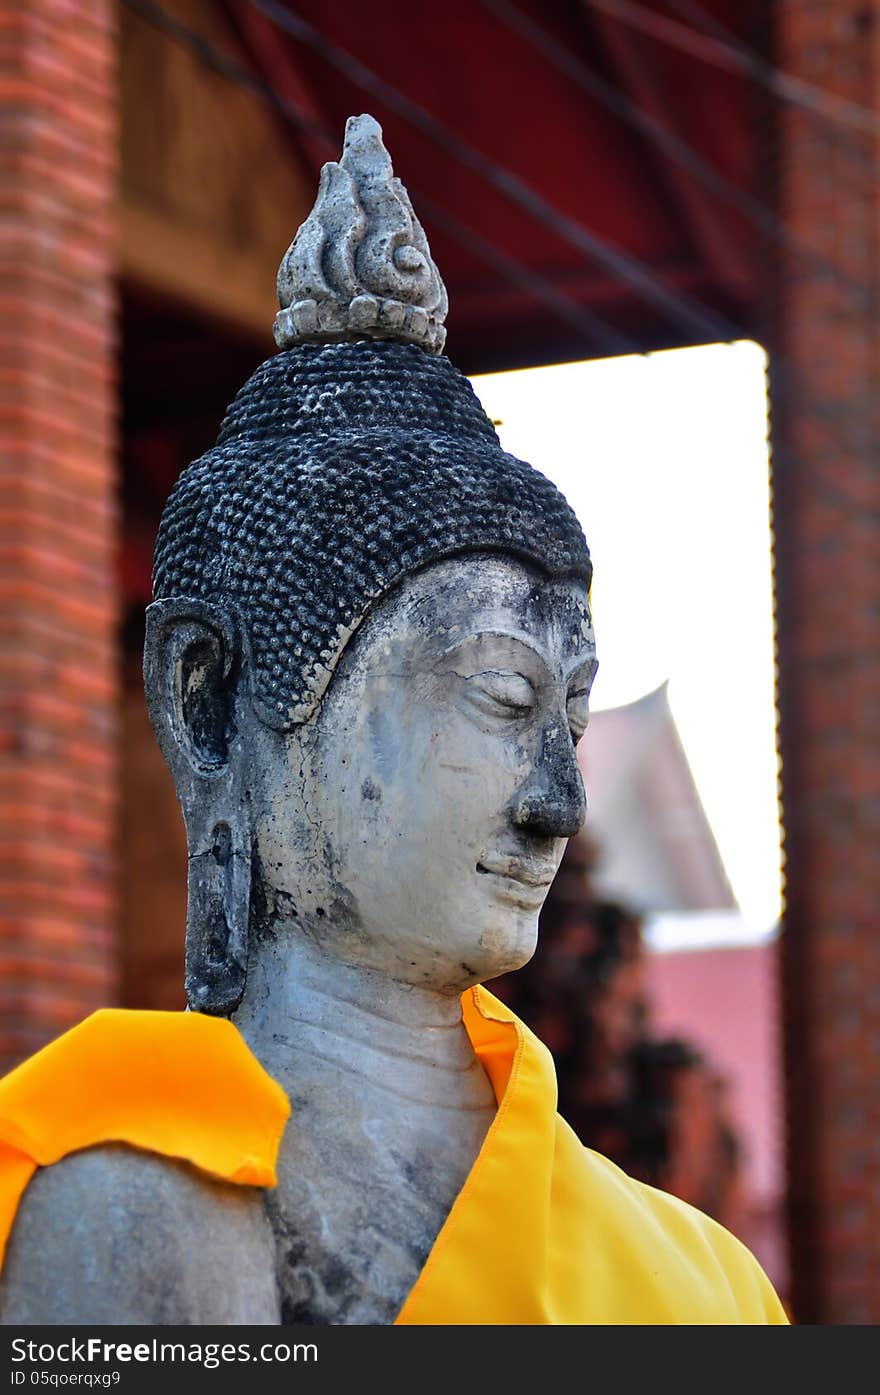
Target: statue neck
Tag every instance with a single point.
(306, 1013)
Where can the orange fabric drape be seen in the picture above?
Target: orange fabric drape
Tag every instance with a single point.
(543, 1231)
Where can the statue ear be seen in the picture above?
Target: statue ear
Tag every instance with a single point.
(193, 659)
(192, 653)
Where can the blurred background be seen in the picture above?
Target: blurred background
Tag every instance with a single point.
(658, 224)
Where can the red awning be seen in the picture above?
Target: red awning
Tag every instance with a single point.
(585, 169)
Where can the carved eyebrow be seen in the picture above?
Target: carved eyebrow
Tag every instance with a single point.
(504, 637)
(580, 679)
(583, 677)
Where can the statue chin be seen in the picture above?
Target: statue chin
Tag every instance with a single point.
(505, 943)
(501, 948)
(513, 952)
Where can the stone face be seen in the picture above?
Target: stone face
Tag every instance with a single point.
(443, 746)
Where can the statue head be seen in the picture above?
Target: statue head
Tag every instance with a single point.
(369, 655)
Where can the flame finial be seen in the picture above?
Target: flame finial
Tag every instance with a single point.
(360, 266)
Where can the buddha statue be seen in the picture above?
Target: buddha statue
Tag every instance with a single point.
(368, 664)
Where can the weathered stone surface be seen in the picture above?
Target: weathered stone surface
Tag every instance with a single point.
(111, 1235)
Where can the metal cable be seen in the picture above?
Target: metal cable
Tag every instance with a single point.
(840, 141)
(736, 57)
(829, 418)
(668, 141)
(685, 310)
(596, 330)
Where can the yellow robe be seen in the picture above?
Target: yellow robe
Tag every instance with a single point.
(543, 1231)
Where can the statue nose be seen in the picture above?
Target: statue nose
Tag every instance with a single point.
(552, 802)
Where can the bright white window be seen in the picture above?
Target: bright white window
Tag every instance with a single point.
(664, 459)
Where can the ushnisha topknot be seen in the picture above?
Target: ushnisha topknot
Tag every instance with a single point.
(342, 467)
(360, 266)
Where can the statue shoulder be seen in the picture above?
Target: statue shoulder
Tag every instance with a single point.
(113, 1234)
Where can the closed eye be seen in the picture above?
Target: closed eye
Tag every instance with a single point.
(500, 693)
(578, 711)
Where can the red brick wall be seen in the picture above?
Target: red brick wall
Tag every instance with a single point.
(826, 486)
(58, 679)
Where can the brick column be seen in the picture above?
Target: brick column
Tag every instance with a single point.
(826, 436)
(58, 517)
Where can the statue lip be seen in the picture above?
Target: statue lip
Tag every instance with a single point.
(528, 871)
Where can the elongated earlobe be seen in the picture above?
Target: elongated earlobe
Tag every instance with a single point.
(217, 912)
(194, 661)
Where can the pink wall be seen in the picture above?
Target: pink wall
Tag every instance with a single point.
(723, 1001)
